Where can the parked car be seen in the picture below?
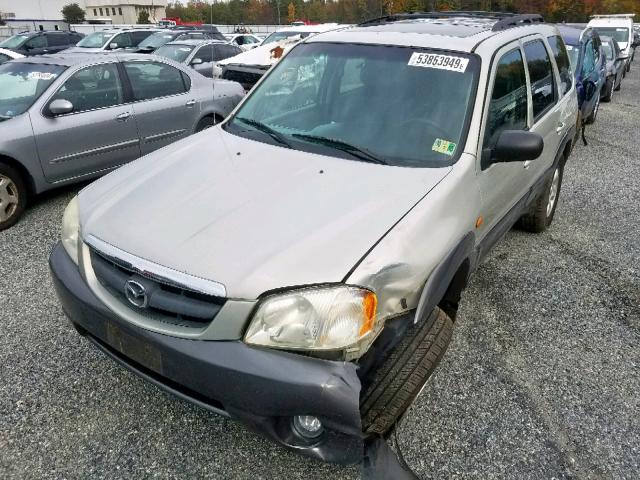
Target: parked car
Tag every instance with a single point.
(245, 41)
(158, 39)
(615, 68)
(112, 39)
(248, 67)
(6, 55)
(619, 27)
(589, 65)
(201, 55)
(299, 266)
(39, 43)
(68, 118)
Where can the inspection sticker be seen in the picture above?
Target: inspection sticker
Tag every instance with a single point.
(441, 62)
(41, 76)
(444, 146)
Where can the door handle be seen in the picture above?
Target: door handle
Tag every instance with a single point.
(123, 117)
(560, 127)
(526, 164)
(190, 103)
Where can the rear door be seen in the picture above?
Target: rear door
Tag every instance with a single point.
(100, 132)
(502, 185)
(164, 108)
(57, 41)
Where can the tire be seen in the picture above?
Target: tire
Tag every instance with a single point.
(204, 123)
(544, 208)
(608, 88)
(592, 118)
(402, 375)
(13, 196)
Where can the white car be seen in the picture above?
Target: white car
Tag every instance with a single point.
(6, 55)
(620, 28)
(245, 41)
(248, 67)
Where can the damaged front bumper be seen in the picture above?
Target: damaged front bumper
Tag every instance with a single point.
(263, 388)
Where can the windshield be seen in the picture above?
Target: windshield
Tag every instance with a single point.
(21, 84)
(179, 53)
(95, 40)
(13, 42)
(277, 36)
(393, 105)
(157, 39)
(574, 54)
(619, 34)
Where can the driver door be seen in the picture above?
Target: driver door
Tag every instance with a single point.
(502, 185)
(100, 133)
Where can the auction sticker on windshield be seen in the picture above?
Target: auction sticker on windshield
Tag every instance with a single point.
(442, 62)
(41, 76)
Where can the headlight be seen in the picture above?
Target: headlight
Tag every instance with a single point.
(71, 229)
(323, 318)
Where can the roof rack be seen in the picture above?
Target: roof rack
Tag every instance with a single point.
(615, 15)
(504, 19)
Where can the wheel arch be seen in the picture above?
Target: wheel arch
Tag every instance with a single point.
(24, 172)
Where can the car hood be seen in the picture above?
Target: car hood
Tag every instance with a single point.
(252, 216)
(261, 55)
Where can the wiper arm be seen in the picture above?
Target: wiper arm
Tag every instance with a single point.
(264, 128)
(358, 152)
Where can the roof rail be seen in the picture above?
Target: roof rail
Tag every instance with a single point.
(517, 21)
(615, 15)
(504, 19)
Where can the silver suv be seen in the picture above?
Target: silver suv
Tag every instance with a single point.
(299, 266)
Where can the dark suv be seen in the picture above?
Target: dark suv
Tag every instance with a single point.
(39, 43)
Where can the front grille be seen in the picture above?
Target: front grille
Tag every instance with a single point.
(246, 79)
(162, 300)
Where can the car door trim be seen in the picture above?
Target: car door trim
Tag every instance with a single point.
(95, 151)
(164, 135)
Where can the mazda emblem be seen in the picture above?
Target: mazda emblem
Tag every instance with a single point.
(136, 294)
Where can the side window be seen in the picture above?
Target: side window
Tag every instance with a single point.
(205, 54)
(137, 37)
(541, 77)
(57, 39)
(562, 61)
(589, 61)
(92, 87)
(508, 106)
(122, 40)
(153, 79)
(3, 58)
(226, 51)
(39, 41)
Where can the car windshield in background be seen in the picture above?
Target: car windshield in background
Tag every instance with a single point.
(157, 39)
(13, 42)
(21, 84)
(574, 54)
(179, 53)
(393, 105)
(617, 33)
(95, 40)
(277, 36)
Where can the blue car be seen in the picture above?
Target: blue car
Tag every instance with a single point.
(589, 65)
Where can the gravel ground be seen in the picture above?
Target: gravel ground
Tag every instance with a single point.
(542, 378)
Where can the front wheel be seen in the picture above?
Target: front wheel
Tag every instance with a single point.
(541, 215)
(403, 374)
(206, 122)
(13, 196)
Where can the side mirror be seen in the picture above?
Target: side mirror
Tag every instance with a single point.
(516, 146)
(113, 46)
(196, 61)
(60, 106)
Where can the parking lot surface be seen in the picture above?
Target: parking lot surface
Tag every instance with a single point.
(541, 379)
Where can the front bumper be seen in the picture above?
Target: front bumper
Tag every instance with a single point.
(260, 387)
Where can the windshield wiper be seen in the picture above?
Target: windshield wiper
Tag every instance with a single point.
(263, 127)
(358, 152)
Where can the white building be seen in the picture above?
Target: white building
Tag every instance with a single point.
(47, 13)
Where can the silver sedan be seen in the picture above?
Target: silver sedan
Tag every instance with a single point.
(68, 118)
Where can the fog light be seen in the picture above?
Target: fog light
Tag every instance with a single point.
(307, 426)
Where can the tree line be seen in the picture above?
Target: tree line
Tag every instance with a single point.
(259, 12)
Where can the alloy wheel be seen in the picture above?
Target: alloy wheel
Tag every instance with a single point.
(8, 198)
